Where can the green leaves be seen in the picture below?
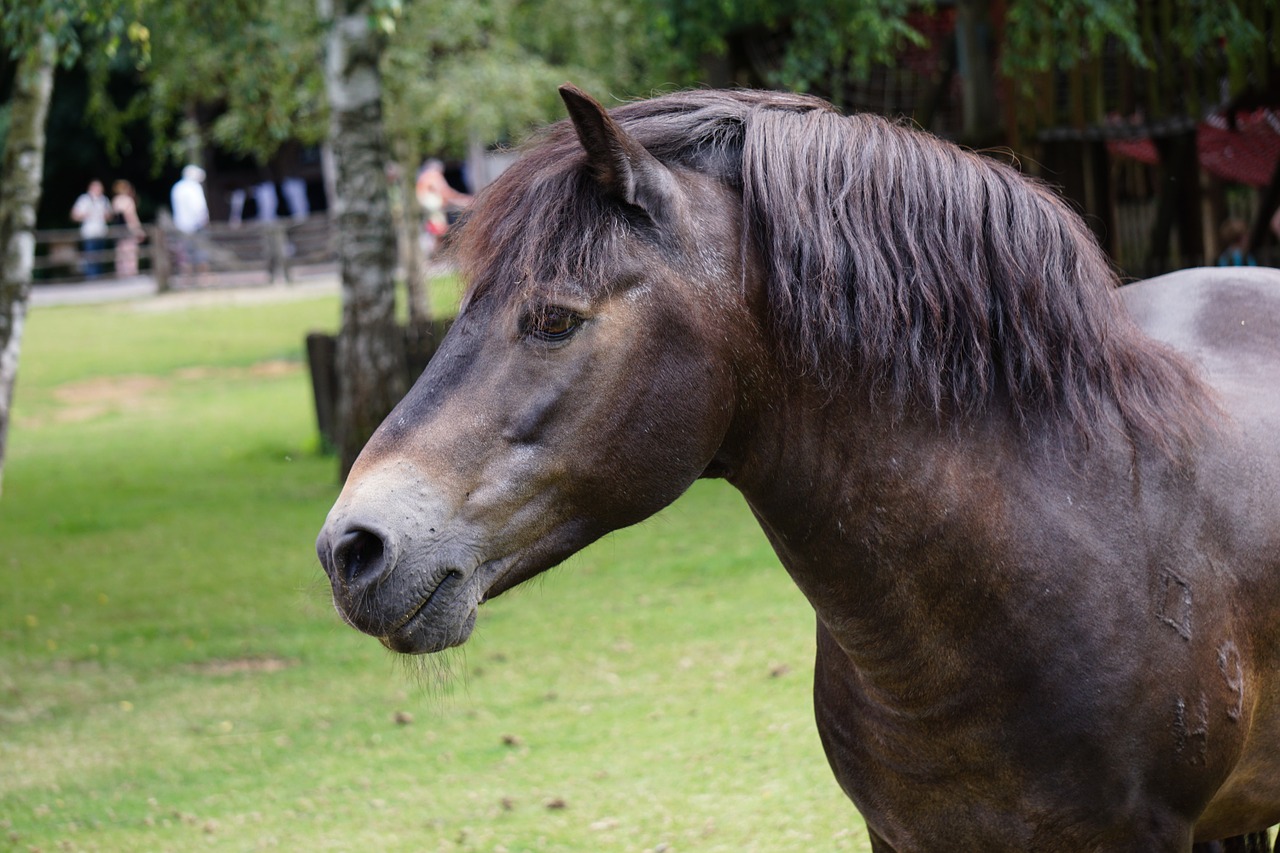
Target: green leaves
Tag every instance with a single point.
(833, 42)
(246, 73)
(464, 71)
(254, 66)
(1048, 34)
(76, 26)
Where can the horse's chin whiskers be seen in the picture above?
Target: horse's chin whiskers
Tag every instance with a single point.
(436, 675)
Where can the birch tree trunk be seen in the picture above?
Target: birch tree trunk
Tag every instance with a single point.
(21, 178)
(370, 357)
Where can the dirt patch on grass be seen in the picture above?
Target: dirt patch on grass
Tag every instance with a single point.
(263, 369)
(93, 398)
(237, 666)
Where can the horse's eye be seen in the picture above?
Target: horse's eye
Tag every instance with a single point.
(551, 324)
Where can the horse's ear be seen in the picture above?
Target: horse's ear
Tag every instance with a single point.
(623, 167)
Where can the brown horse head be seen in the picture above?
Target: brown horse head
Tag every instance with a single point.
(563, 404)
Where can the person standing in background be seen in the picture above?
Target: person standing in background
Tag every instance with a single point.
(190, 216)
(295, 195)
(267, 200)
(436, 198)
(92, 210)
(1235, 238)
(124, 204)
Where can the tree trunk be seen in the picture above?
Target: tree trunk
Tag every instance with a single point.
(417, 292)
(21, 177)
(370, 347)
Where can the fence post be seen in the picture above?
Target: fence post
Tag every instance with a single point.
(277, 252)
(322, 357)
(160, 262)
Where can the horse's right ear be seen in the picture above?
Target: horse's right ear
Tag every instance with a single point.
(623, 167)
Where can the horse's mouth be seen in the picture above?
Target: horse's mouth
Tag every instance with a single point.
(422, 605)
(436, 623)
(445, 617)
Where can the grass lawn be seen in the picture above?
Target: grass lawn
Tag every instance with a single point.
(173, 677)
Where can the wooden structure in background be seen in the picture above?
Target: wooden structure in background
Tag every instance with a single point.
(251, 253)
(1076, 128)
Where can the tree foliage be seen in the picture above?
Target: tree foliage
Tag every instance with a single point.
(243, 75)
(825, 44)
(1058, 34)
(464, 70)
(821, 41)
(246, 76)
(79, 28)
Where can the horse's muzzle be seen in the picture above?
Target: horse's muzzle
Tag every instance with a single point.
(384, 587)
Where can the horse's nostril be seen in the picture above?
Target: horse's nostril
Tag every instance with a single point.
(359, 554)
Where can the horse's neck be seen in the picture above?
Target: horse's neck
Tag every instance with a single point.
(897, 533)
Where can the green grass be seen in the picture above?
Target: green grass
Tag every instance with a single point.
(173, 677)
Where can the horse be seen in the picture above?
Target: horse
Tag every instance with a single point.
(1036, 514)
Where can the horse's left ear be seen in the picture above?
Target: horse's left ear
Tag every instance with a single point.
(623, 167)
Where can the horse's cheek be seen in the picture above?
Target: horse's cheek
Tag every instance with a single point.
(680, 426)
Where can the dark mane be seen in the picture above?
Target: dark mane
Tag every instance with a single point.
(937, 277)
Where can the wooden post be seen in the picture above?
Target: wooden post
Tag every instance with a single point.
(277, 252)
(322, 357)
(161, 263)
(286, 255)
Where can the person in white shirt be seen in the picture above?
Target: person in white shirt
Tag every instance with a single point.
(190, 215)
(92, 210)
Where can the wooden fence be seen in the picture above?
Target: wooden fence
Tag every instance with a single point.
(249, 253)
